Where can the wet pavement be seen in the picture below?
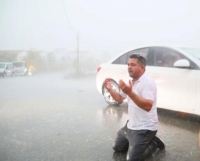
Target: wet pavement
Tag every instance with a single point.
(49, 118)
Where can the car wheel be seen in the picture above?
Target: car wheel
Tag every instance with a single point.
(4, 74)
(108, 98)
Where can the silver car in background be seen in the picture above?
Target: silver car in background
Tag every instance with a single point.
(6, 69)
(20, 68)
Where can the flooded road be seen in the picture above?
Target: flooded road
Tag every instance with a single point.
(49, 118)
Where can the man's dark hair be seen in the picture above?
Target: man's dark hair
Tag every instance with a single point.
(140, 59)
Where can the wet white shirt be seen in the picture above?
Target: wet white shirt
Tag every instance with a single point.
(140, 119)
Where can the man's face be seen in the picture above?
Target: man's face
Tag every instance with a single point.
(134, 69)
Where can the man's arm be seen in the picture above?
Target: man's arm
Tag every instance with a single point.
(143, 103)
(116, 96)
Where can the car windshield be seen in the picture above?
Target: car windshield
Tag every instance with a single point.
(193, 52)
(2, 65)
(18, 64)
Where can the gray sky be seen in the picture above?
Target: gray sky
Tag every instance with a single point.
(106, 25)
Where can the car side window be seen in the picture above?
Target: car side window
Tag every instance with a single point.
(9, 66)
(165, 57)
(143, 52)
(121, 60)
(124, 58)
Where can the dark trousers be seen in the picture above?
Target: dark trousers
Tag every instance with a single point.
(138, 143)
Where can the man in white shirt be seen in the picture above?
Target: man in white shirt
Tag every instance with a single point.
(138, 136)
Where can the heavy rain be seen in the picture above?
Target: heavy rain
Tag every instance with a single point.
(50, 108)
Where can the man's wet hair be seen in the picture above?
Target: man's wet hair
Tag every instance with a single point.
(140, 59)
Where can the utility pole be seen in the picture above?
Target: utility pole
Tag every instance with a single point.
(78, 61)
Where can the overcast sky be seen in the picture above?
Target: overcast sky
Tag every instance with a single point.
(103, 25)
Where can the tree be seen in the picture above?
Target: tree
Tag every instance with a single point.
(33, 58)
(8, 56)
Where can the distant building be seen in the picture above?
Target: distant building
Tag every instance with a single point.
(21, 56)
(44, 56)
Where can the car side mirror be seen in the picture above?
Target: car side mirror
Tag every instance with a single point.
(183, 63)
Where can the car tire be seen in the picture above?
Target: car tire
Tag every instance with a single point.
(108, 98)
(4, 74)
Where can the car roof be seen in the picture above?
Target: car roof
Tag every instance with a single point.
(19, 62)
(5, 62)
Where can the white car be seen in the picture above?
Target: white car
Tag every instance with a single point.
(175, 70)
(20, 68)
(6, 69)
